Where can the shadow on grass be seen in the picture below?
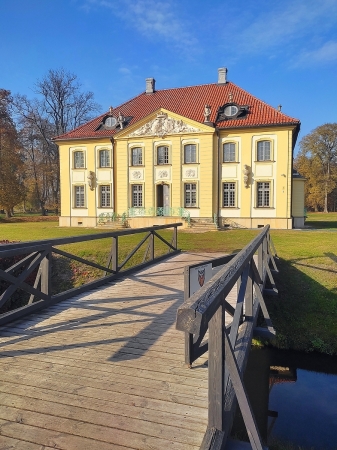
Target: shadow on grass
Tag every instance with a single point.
(318, 224)
(305, 313)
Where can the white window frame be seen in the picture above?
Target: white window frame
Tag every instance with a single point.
(76, 165)
(132, 163)
(105, 195)
(79, 197)
(229, 200)
(107, 154)
(261, 201)
(263, 150)
(193, 202)
(232, 158)
(137, 195)
(189, 146)
(166, 155)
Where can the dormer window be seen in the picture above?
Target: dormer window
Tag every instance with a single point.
(110, 122)
(231, 110)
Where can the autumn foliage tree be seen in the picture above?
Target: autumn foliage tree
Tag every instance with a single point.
(11, 165)
(317, 162)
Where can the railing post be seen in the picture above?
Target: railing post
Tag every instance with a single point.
(188, 336)
(216, 370)
(249, 294)
(152, 246)
(175, 237)
(46, 273)
(114, 254)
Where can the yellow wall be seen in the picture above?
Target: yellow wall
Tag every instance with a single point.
(208, 169)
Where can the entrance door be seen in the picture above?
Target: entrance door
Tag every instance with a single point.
(163, 200)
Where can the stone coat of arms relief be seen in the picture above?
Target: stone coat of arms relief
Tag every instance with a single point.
(163, 125)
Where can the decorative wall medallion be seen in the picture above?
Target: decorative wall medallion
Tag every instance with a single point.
(163, 125)
(246, 172)
(136, 174)
(163, 174)
(191, 173)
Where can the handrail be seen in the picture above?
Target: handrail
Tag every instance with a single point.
(37, 262)
(228, 347)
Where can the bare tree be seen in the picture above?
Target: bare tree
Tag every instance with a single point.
(321, 147)
(61, 106)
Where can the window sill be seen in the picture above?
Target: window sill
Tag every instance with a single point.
(263, 207)
(79, 168)
(163, 165)
(265, 161)
(80, 207)
(105, 167)
(136, 166)
(188, 163)
(229, 207)
(192, 207)
(231, 162)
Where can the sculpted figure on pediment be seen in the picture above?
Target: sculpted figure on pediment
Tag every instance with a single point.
(163, 125)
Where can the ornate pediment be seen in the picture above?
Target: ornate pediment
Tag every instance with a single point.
(163, 125)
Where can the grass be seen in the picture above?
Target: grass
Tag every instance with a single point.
(304, 313)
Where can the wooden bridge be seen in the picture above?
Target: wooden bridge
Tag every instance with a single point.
(106, 368)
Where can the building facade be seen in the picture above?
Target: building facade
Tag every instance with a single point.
(208, 153)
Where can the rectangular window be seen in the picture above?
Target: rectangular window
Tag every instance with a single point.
(190, 153)
(137, 195)
(229, 152)
(263, 151)
(229, 195)
(136, 156)
(79, 197)
(263, 194)
(105, 196)
(104, 158)
(162, 155)
(190, 195)
(78, 160)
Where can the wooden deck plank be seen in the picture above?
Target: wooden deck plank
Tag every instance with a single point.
(105, 370)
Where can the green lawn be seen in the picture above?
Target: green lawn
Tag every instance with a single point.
(304, 313)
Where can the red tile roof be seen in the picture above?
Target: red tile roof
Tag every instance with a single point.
(189, 102)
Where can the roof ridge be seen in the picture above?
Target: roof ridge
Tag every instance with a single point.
(265, 103)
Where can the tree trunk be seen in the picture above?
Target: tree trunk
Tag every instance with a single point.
(8, 213)
(326, 197)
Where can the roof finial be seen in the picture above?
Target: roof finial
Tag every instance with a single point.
(279, 107)
(110, 110)
(230, 97)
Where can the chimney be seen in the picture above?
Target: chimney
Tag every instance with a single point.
(222, 75)
(150, 85)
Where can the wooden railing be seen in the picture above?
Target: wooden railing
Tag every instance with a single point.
(35, 259)
(228, 346)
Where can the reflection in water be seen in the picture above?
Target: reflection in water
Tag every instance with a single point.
(293, 396)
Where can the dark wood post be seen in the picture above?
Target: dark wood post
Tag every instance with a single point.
(175, 237)
(216, 370)
(249, 294)
(46, 273)
(151, 246)
(188, 336)
(114, 254)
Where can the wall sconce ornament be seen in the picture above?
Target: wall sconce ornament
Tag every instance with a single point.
(91, 180)
(246, 172)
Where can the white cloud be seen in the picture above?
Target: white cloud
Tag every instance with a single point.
(284, 25)
(124, 70)
(153, 19)
(325, 54)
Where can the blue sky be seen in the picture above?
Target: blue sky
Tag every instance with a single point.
(282, 52)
